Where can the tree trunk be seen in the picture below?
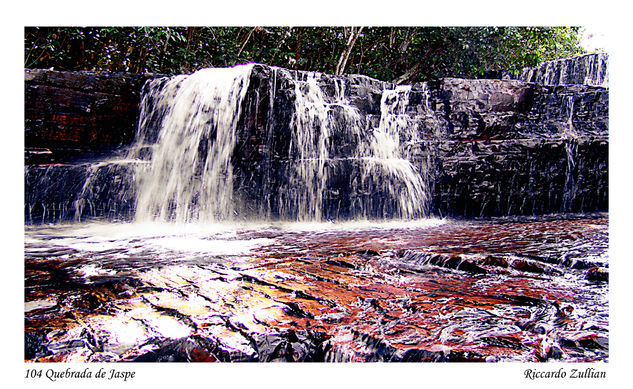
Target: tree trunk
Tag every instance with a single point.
(408, 37)
(409, 34)
(342, 62)
(246, 41)
(298, 49)
(409, 75)
(164, 50)
(284, 35)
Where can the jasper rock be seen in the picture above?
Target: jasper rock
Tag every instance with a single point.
(486, 147)
(374, 294)
(588, 69)
(77, 113)
(180, 350)
(598, 274)
(34, 345)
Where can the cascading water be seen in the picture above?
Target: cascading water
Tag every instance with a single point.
(386, 161)
(190, 177)
(180, 169)
(277, 144)
(570, 141)
(311, 126)
(589, 69)
(107, 189)
(196, 289)
(386, 185)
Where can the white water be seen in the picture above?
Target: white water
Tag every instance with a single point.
(589, 69)
(186, 239)
(179, 169)
(313, 123)
(383, 161)
(85, 202)
(570, 140)
(387, 162)
(190, 177)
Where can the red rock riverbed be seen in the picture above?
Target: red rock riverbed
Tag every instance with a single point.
(526, 289)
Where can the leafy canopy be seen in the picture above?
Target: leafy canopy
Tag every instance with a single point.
(399, 54)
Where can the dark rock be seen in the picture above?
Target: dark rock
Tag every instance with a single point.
(594, 342)
(469, 266)
(490, 147)
(180, 350)
(588, 69)
(73, 114)
(34, 345)
(598, 274)
(291, 346)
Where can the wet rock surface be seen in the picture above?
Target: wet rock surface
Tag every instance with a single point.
(588, 69)
(505, 289)
(70, 115)
(485, 147)
(489, 147)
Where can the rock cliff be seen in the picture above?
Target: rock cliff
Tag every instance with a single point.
(479, 147)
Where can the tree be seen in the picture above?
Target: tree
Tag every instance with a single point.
(398, 54)
(353, 34)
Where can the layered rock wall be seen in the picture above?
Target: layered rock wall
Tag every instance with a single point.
(488, 147)
(588, 69)
(68, 114)
(493, 147)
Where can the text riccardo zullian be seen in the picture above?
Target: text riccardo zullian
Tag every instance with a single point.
(588, 372)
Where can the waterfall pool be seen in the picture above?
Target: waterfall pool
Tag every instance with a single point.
(501, 289)
(167, 248)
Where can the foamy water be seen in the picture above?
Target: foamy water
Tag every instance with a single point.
(211, 238)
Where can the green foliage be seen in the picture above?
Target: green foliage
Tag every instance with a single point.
(400, 54)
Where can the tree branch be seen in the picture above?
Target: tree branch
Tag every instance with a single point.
(342, 62)
(415, 70)
(246, 41)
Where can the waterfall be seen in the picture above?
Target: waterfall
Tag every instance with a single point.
(570, 141)
(598, 73)
(256, 142)
(316, 119)
(190, 176)
(387, 163)
(386, 184)
(180, 166)
(309, 142)
(589, 69)
(106, 190)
